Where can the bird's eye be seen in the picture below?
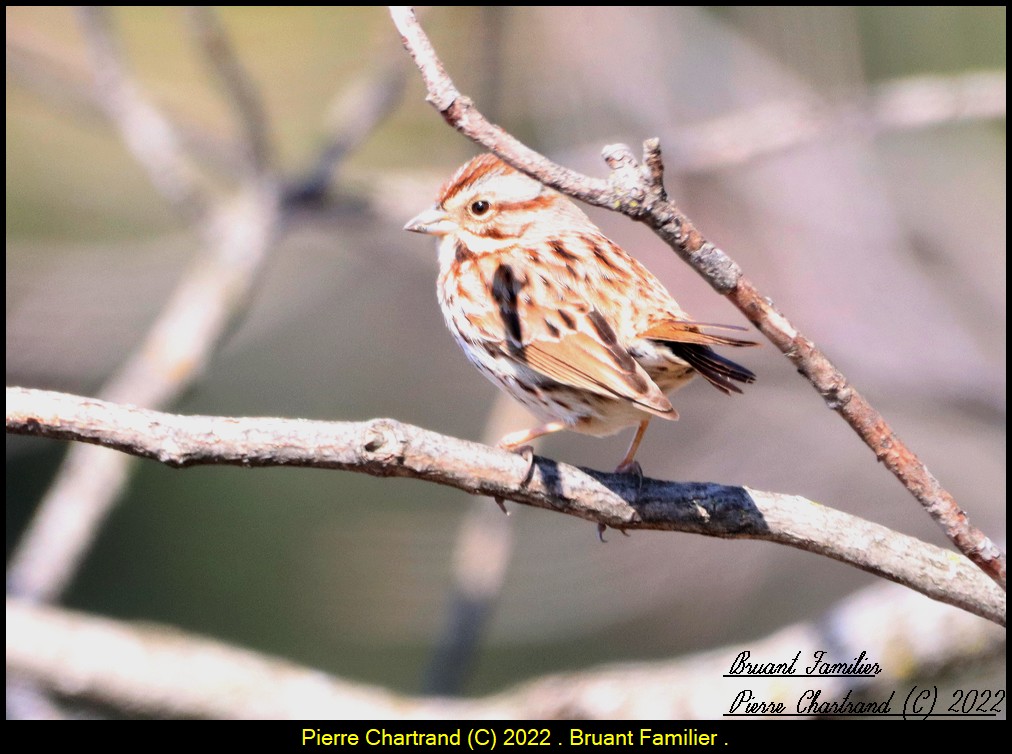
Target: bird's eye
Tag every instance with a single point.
(480, 207)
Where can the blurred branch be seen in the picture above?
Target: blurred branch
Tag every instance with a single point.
(239, 90)
(638, 192)
(353, 115)
(35, 64)
(923, 101)
(901, 104)
(174, 352)
(147, 133)
(384, 447)
(482, 554)
(238, 234)
(162, 672)
(165, 672)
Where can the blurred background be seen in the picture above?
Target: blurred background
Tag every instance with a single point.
(852, 160)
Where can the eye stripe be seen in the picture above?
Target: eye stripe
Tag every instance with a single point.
(539, 202)
(491, 232)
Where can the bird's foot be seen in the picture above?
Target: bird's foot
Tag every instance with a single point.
(634, 468)
(630, 467)
(527, 453)
(601, 528)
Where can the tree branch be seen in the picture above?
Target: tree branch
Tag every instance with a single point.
(150, 136)
(240, 92)
(902, 104)
(238, 233)
(162, 671)
(638, 192)
(40, 67)
(384, 447)
(352, 116)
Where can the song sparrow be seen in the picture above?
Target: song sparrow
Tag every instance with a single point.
(559, 316)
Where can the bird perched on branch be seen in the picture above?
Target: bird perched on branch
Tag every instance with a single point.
(558, 315)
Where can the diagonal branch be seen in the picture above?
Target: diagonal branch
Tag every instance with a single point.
(384, 447)
(237, 232)
(638, 192)
(174, 352)
(148, 134)
(240, 92)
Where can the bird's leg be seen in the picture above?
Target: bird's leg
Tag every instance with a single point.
(628, 465)
(517, 442)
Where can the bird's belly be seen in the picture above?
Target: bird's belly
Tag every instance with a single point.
(581, 410)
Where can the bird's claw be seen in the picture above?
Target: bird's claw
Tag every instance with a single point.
(527, 453)
(634, 468)
(630, 467)
(501, 503)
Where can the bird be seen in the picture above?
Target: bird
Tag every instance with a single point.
(559, 316)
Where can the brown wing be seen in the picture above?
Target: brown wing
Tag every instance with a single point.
(573, 345)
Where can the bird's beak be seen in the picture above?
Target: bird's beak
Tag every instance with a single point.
(433, 221)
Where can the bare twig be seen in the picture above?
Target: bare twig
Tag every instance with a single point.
(148, 134)
(638, 192)
(384, 447)
(159, 671)
(240, 91)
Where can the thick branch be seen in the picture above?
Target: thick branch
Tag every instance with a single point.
(384, 447)
(638, 192)
(162, 672)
